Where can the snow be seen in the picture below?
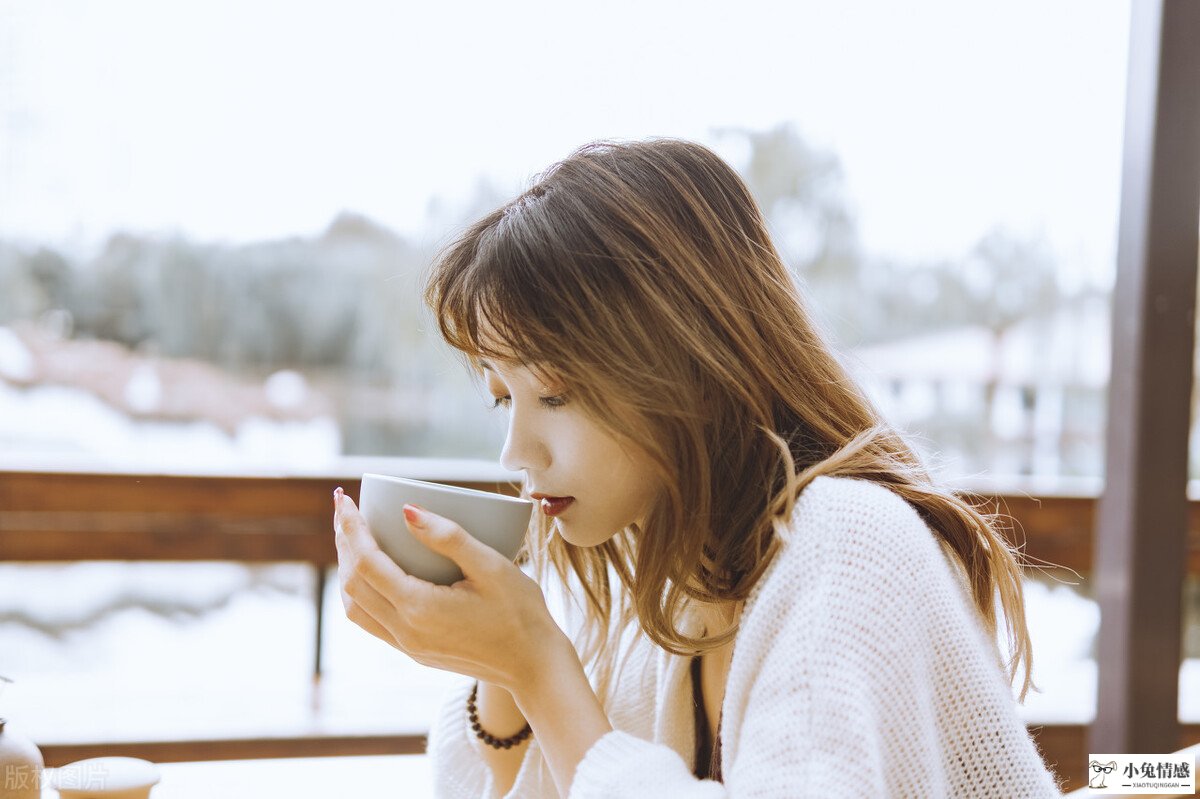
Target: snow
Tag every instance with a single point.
(56, 419)
(1062, 626)
(144, 391)
(286, 389)
(216, 650)
(16, 361)
(134, 650)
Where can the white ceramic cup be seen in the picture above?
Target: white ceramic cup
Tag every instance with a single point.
(106, 778)
(497, 520)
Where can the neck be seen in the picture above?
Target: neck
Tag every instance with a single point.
(717, 617)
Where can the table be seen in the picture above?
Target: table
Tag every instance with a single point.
(399, 776)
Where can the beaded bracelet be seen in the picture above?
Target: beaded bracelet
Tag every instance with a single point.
(487, 738)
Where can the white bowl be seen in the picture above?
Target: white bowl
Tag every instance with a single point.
(497, 520)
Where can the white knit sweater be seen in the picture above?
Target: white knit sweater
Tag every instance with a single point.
(861, 669)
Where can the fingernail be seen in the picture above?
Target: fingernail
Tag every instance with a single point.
(414, 514)
(337, 496)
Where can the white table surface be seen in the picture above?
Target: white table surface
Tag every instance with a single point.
(393, 776)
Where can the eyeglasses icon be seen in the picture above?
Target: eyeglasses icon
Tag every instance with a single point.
(1105, 768)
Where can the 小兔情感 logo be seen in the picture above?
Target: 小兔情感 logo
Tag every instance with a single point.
(1141, 774)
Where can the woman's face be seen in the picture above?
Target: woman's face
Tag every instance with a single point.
(564, 453)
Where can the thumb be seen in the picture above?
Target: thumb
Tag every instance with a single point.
(449, 539)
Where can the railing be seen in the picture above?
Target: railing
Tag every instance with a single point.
(70, 516)
(62, 516)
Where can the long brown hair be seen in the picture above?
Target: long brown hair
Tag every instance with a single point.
(641, 275)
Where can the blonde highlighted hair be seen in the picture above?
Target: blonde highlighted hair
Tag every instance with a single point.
(642, 277)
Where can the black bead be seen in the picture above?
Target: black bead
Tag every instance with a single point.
(489, 739)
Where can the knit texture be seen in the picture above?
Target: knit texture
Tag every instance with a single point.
(861, 669)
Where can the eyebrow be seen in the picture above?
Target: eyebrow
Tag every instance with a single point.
(486, 364)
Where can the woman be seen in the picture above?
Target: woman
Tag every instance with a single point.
(776, 598)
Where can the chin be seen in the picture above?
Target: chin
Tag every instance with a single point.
(580, 538)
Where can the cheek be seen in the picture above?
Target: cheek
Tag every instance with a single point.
(632, 480)
(568, 450)
(598, 465)
(643, 492)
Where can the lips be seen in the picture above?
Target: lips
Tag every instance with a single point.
(552, 506)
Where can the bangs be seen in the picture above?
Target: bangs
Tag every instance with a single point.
(480, 293)
(481, 339)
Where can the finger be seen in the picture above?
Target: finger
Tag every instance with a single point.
(382, 604)
(348, 521)
(361, 617)
(359, 549)
(448, 538)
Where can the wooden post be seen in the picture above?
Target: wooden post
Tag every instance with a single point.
(1141, 523)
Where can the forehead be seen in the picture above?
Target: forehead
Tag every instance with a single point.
(503, 367)
(507, 361)
(491, 365)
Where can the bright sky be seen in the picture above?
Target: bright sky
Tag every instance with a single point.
(239, 121)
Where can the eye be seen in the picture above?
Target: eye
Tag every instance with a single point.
(546, 402)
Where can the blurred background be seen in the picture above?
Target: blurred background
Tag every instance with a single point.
(215, 217)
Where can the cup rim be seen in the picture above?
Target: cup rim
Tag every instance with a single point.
(446, 489)
(133, 774)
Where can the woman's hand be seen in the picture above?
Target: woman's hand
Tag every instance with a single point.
(492, 625)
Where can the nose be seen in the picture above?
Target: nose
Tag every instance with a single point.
(523, 447)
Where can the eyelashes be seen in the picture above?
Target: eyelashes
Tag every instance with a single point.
(550, 403)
